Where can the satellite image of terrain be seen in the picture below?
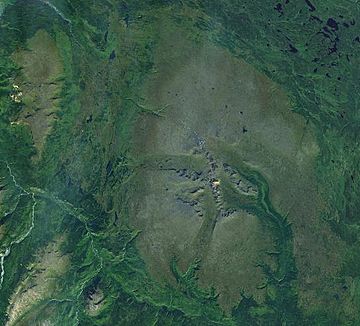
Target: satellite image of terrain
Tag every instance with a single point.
(179, 162)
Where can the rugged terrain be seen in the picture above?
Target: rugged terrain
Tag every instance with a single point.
(179, 162)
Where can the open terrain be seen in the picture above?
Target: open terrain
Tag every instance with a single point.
(209, 97)
(183, 162)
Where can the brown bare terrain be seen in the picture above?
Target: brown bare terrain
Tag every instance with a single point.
(39, 85)
(209, 94)
(40, 282)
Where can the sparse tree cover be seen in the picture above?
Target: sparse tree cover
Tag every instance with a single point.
(179, 162)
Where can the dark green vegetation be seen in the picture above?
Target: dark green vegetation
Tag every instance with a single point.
(98, 162)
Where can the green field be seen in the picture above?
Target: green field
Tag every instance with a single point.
(179, 162)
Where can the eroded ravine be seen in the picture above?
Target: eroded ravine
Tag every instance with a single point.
(50, 264)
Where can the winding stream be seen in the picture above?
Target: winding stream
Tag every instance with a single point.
(23, 192)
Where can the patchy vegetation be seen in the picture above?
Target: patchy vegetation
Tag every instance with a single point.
(40, 84)
(42, 277)
(200, 157)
